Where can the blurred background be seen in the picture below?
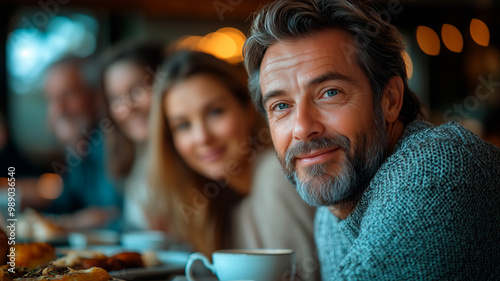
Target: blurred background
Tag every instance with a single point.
(452, 53)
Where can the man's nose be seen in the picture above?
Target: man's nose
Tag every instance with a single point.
(307, 121)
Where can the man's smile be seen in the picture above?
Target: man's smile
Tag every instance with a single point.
(317, 156)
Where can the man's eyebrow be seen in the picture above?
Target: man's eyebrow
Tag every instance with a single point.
(328, 76)
(270, 95)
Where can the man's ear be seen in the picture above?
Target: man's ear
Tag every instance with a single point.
(392, 100)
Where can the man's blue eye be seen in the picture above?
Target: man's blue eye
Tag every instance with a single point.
(282, 106)
(331, 93)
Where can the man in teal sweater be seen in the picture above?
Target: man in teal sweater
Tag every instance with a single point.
(401, 199)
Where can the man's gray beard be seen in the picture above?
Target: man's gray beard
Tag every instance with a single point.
(320, 188)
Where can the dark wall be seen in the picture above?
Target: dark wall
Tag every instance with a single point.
(5, 14)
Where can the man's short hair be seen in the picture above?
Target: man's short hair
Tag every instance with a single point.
(378, 44)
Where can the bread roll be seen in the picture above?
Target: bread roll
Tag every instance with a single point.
(32, 255)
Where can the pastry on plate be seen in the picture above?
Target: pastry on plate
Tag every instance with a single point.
(31, 255)
(87, 259)
(51, 273)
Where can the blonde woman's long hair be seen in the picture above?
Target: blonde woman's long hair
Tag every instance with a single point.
(186, 204)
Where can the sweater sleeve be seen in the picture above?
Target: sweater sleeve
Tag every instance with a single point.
(432, 215)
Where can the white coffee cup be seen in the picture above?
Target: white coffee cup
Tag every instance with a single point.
(247, 264)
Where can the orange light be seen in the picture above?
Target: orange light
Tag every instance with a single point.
(428, 40)
(189, 42)
(49, 186)
(409, 64)
(480, 32)
(226, 43)
(239, 40)
(452, 38)
(219, 44)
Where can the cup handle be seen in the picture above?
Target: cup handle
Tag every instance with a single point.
(192, 259)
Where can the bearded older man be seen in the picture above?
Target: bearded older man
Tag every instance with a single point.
(91, 196)
(402, 199)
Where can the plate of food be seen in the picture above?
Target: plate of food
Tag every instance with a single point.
(38, 261)
(124, 264)
(47, 273)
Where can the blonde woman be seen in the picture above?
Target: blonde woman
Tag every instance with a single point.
(216, 180)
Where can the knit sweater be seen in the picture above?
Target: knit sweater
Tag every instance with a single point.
(432, 212)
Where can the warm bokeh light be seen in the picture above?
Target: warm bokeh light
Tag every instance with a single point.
(218, 44)
(428, 40)
(480, 32)
(49, 186)
(226, 43)
(452, 38)
(239, 40)
(189, 42)
(409, 64)
(238, 36)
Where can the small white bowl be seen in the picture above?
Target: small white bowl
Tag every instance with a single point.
(93, 237)
(145, 240)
